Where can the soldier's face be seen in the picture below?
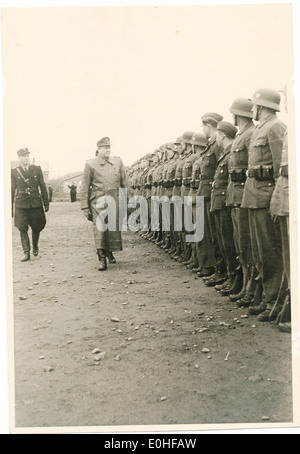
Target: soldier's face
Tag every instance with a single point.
(219, 139)
(25, 160)
(206, 131)
(104, 152)
(255, 110)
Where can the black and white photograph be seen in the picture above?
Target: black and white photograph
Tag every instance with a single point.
(150, 233)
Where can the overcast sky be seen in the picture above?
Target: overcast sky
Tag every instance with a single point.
(141, 75)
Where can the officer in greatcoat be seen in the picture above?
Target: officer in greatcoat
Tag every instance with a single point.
(103, 176)
(29, 202)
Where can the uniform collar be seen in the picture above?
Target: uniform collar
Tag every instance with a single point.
(225, 153)
(248, 126)
(24, 169)
(268, 118)
(102, 161)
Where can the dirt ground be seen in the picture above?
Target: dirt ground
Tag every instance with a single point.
(149, 319)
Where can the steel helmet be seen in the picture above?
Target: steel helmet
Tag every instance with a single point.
(187, 137)
(267, 97)
(199, 139)
(242, 107)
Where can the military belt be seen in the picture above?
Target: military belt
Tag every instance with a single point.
(238, 176)
(261, 173)
(28, 191)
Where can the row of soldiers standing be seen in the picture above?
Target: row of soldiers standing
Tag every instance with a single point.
(241, 171)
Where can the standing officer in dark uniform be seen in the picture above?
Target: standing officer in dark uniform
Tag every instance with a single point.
(29, 202)
(263, 169)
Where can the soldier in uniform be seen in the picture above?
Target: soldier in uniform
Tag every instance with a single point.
(279, 207)
(213, 266)
(172, 149)
(264, 159)
(155, 187)
(241, 110)
(103, 176)
(199, 143)
(29, 202)
(179, 189)
(225, 135)
(153, 160)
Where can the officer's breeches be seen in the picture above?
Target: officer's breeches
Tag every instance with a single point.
(30, 217)
(266, 251)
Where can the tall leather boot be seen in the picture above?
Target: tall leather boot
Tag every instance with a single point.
(102, 259)
(25, 245)
(111, 257)
(35, 241)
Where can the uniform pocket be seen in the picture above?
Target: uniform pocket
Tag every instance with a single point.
(262, 149)
(240, 156)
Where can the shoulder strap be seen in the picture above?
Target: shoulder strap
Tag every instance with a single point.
(22, 176)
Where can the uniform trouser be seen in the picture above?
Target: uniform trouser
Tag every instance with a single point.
(241, 234)
(285, 242)
(224, 230)
(266, 251)
(205, 248)
(30, 217)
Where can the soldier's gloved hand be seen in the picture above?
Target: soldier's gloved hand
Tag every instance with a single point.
(46, 208)
(86, 213)
(274, 217)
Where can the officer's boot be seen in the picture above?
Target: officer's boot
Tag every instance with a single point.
(35, 241)
(111, 257)
(25, 245)
(102, 259)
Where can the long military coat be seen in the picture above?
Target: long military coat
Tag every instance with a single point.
(103, 178)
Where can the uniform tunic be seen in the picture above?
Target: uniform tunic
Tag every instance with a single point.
(103, 178)
(29, 194)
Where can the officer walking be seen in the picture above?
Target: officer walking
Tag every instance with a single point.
(29, 202)
(265, 152)
(103, 176)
